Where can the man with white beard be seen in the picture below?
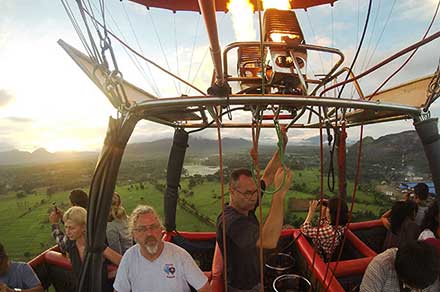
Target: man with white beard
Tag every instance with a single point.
(153, 264)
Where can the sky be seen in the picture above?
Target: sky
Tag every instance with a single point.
(46, 101)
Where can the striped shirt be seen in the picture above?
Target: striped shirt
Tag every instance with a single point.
(381, 275)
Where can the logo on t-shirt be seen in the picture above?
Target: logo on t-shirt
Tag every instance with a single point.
(170, 270)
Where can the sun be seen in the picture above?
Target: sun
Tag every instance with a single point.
(64, 144)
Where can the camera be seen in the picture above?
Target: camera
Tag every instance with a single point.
(323, 202)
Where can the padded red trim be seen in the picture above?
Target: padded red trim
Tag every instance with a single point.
(208, 275)
(198, 235)
(359, 244)
(168, 235)
(320, 268)
(57, 259)
(190, 235)
(39, 259)
(350, 267)
(365, 224)
(217, 282)
(287, 232)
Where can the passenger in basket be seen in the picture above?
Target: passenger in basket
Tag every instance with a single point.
(414, 266)
(66, 280)
(74, 244)
(421, 193)
(430, 224)
(154, 265)
(118, 237)
(328, 234)
(242, 226)
(403, 227)
(16, 276)
(78, 198)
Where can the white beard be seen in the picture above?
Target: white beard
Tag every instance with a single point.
(152, 249)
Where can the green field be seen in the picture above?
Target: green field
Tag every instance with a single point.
(25, 230)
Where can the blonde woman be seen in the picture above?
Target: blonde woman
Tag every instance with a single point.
(118, 236)
(74, 242)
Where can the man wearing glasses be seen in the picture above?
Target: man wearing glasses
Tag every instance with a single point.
(154, 265)
(242, 226)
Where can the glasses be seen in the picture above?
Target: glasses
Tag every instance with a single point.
(145, 228)
(247, 193)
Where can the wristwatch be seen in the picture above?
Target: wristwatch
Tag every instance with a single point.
(17, 290)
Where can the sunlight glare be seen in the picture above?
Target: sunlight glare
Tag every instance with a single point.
(242, 13)
(277, 4)
(64, 144)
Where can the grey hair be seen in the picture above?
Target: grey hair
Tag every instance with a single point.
(140, 210)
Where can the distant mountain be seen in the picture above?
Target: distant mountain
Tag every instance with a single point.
(392, 150)
(135, 151)
(41, 156)
(391, 156)
(197, 146)
(315, 140)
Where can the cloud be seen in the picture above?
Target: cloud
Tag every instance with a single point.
(5, 147)
(19, 119)
(416, 10)
(6, 97)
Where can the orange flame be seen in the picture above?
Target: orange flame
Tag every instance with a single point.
(277, 4)
(242, 13)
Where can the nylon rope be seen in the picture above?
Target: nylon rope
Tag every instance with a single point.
(177, 51)
(204, 57)
(135, 61)
(98, 32)
(359, 47)
(100, 58)
(370, 39)
(151, 82)
(338, 216)
(409, 57)
(381, 34)
(333, 32)
(314, 36)
(433, 91)
(353, 198)
(263, 67)
(255, 127)
(151, 62)
(89, 33)
(321, 187)
(386, 61)
(77, 28)
(192, 52)
(222, 190)
(211, 122)
(161, 47)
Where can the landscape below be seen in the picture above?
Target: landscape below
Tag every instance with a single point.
(28, 191)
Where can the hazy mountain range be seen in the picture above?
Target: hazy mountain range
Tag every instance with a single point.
(394, 145)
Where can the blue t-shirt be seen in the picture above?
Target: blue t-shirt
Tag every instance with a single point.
(20, 275)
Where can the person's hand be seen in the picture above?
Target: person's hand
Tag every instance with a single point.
(313, 205)
(55, 216)
(279, 177)
(284, 133)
